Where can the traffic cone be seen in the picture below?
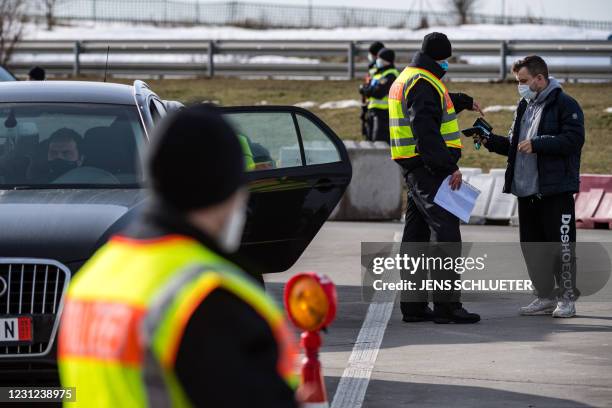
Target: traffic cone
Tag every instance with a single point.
(312, 392)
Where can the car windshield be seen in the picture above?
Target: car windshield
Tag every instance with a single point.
(63, 145)
(5, 75)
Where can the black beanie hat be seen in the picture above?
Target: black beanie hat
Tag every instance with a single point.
(375, 47)
(37, 74)
(437, 46)
(387, 54)
(195, 159)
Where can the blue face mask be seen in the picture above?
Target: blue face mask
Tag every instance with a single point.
(444, 65)
(380, 63)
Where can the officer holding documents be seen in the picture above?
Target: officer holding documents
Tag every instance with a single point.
(426, 143)
(543, 148)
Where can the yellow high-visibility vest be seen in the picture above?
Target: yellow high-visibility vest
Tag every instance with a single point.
(403, 143)
(126, 311)
(249, 163)
(382, 103)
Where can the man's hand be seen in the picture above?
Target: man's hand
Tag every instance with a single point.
(476, 107)
(525, 147)
(480, 139)
(455, 180)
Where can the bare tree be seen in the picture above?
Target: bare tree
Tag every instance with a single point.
(11, 27)
(463, 8)
(50, 13)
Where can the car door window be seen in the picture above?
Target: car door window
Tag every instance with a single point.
(269, 140)
(318, 149)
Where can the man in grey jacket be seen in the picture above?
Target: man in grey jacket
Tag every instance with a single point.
(543, 149)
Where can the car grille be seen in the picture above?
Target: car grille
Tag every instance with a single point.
(33, 287)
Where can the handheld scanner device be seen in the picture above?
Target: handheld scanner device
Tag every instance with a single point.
(484, 125)
(481, 128)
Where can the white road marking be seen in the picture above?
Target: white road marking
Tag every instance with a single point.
(356, 376)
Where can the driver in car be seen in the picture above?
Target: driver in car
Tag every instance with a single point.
(64, 153)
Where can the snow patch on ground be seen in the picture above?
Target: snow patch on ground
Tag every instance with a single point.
(499, 108)
(161, 58)
(88, 30)
(343, 104)
(608, 110)
(84, 30)
(306, 104)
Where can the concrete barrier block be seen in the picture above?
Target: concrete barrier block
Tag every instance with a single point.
(497, 173)
(483, 182)
(375, 191)
(469, 172)
(289, 156)
(315, 153)
(514, 221)
(502, 205)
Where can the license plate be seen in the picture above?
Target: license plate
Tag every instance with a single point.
(16, 329)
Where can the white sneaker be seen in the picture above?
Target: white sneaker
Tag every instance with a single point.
(539, 306)
(565, 308)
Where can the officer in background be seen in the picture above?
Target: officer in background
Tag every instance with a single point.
(426, 143)
(377, 95)
(37, 74)
(372, 53)
(160, 315)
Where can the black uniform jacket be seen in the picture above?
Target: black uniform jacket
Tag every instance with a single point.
(381, 88)
(423, 104)
(228, 355)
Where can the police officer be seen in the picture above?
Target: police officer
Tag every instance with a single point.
(426, 143)
(36, 74)
(160, 315)
(377, 93)
(372, 53)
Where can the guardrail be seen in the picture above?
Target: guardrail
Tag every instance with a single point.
(337, 58)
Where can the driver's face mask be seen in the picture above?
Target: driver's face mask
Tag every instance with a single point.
(57, 167)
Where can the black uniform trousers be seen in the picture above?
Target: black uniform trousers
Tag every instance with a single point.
(378, 125)
(429, 224)
(547, 227)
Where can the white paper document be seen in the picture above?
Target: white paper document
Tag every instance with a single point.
(459, 202)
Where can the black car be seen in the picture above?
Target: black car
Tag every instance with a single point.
(6, 75)
(52, 221)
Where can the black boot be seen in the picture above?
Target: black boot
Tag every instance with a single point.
(453, 313)
(413, 312)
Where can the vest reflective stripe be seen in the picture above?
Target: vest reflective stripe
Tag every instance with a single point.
(412, 141)
(403, 143)
(120, 331)
(374, 103)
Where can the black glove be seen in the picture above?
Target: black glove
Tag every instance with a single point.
(363, 90)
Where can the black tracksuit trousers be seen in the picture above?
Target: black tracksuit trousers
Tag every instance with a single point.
(545, 221)
(427, 222)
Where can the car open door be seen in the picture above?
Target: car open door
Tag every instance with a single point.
(298, 170)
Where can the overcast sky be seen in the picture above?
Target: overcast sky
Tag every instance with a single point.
(579, 9)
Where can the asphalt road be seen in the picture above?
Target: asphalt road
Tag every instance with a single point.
(504, 361)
